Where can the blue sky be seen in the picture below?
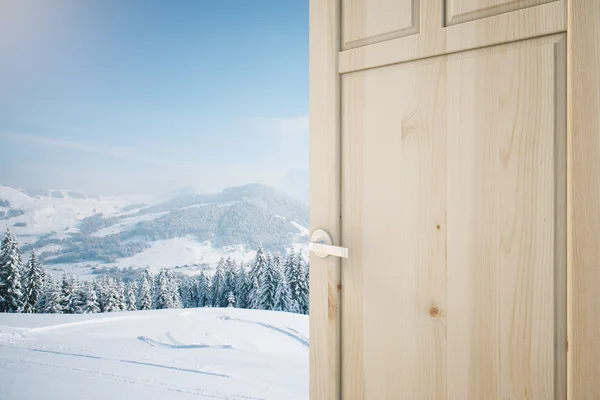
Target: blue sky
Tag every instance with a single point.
(118, 96)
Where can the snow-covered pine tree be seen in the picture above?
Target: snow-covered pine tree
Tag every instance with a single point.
(203, 289)
(192, 292)
(231, 271)
(130, 297)
(230, 300)
(52, 296)
(165, 291)
(106, 287)
(90, 299)
(144, 299)
(282, 301)
(121, 302)
(81, 297)
(288, 264)
(305, 267)
(185, 292)
(242, 287)
(33, 282)
(101, 291)
(254, 295)
(68, 294)
(11, 296)
(256, 270)
(174, 285)
(268, 285)
(297, 283)
(219, 290)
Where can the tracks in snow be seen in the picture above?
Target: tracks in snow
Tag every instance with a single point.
(156, 343)
(289, 332)
(136, 382)
(172, 368)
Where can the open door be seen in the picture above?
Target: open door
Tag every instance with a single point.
(444, 161)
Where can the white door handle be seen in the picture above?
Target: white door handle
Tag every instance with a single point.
(322, 245)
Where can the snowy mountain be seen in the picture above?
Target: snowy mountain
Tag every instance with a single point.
(203, 353)
(70, 229)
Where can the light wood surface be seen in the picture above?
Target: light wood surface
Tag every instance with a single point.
(506, 248)
(393, 162)
(584, 199)
(459, 11)
(466, 120)
(324, 198)
(434, 39)
(370, 21)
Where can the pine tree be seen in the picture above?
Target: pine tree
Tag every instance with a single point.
(242, 287)
(282, 301)
(231, 271)
(219, 290)
(230, 300)
(90, 303)
(203, 283)
(297, 283)
(166, 294)
(33, 281)
(174, 287)
(81, 296)
(145, 292)
(108, 297)
(121, 303)
(11, 296)
(254, 295)
(256, 270)
(52, 297)
(68, 294)
(268, 284)
(130, 297)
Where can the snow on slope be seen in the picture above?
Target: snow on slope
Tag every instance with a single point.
(207, 353)
(180, 251)
(47, 214)
(128, 223)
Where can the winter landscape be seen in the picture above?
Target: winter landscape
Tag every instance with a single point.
(229, 322)
(153, 200)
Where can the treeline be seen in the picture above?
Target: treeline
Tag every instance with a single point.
(266, 283)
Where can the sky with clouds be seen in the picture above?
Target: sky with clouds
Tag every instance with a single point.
(151, 96)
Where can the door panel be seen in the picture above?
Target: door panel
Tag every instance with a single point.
(453, 206)
(459, 11)
(393, 217)
(505, 267)
(371, 21)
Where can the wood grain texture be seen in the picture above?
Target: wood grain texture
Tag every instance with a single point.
(584, 199)
(393, 213)
(324, 198)
(371, 21)
(434, 40)
(506, 250)
(460, 11)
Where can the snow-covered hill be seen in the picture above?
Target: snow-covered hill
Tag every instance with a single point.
(206, 353)
(75, 231)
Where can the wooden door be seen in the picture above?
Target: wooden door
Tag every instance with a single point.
(439, 158)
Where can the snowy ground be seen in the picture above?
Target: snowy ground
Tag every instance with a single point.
(207, 353)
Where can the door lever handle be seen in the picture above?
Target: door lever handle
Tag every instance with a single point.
(322, 245)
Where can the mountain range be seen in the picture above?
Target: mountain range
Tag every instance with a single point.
(76, 231)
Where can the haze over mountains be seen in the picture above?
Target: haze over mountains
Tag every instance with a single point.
(75, 231)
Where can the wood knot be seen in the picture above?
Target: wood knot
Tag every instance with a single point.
(339, 287)
(434, 312)
(438, 227)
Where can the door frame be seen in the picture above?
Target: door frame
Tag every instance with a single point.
(583, 198)
(325, 197)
